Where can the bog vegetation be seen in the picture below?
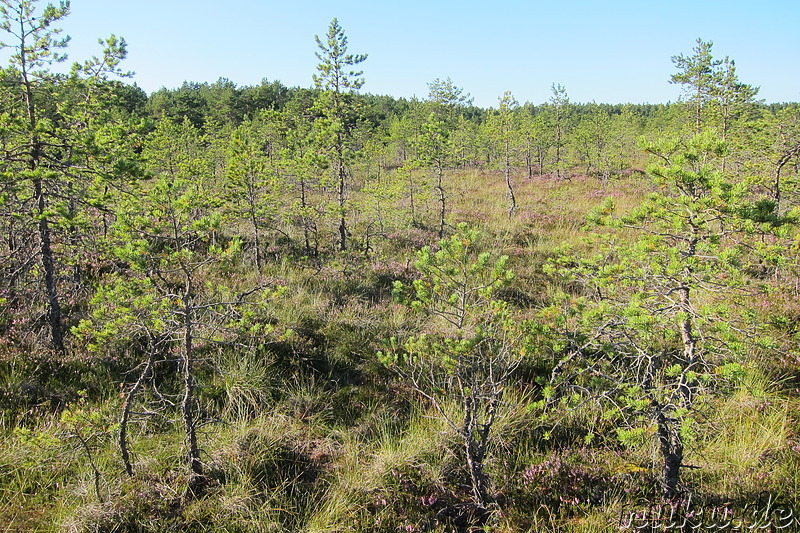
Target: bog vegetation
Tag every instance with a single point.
(264, 308)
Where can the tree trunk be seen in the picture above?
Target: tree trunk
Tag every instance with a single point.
(442, 209)
(687, 330)
(478, 478)
(342, 221)
(303, 207)
(540, 160)
(45, 243)
(126, 413)
(671, 446)
(187, 404)
(529, 164)
(511, 196)
(411, 197)
(474, 452)
(256, 239)
(49, 269)
(689, 350)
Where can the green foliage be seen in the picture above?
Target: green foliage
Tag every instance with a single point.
(502, 133)
(124, 309)
(653, 329)
(559, 120)
(254, 189)
(334, 59)
(714, 91)
(65, 143)
(699, 74)
(434, 149)
(207, 320)
(447, 99)
(471, 348)
(337, 114)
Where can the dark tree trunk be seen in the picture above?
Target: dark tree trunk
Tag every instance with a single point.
(49, 270)
(671, 446)
(475, 452)
(342, 220)
(196, 480)
(512, 198)
(126, 413)
(442, 205)
(45, 243)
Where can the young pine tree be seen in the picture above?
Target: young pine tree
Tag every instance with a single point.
(660, 318)
(337, 112)
(62, 145)
(472, 345)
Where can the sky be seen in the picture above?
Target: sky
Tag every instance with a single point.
(602, 50)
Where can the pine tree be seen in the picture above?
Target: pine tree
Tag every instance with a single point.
(558, 112)
(503, 129)
(447, 99)
(651, 337)
(62, 143)
(337, 110)
(253, 189)
(435, 148)
(699, 75)
(474, 345)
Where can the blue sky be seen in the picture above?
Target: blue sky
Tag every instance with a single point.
(604, 51)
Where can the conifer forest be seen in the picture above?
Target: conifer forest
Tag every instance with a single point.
(264, 308)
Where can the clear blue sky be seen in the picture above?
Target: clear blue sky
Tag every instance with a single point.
(606, 51)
